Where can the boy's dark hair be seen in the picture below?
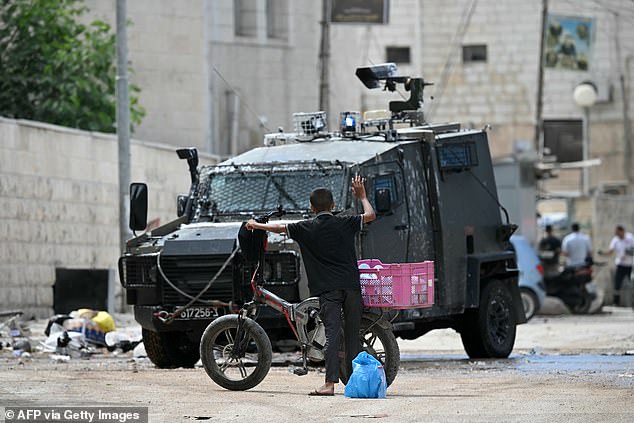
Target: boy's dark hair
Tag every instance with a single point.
(575, 227)
(549, 228)
(321, 199)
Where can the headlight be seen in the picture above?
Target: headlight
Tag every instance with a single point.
(281, 268)
(153, 273)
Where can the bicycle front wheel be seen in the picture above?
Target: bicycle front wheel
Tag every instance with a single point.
(231, 367)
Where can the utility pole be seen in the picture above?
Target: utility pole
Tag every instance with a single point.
(627, 126)
(539, 139)
(123, 122)
(324, 58)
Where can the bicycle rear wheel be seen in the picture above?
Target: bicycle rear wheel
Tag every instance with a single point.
(235, 370)
(381, 344)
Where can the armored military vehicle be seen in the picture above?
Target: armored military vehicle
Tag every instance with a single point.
(432, 187)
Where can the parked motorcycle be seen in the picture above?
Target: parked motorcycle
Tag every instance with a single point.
(573, 285)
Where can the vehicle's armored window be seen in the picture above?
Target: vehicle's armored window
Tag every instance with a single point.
(474, 53)
(263, 191)
(385, 182)
(457, 155)
(397, 54)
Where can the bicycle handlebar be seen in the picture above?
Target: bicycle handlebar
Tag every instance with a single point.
(278, 213)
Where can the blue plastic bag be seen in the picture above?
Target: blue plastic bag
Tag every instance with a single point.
(367, 379)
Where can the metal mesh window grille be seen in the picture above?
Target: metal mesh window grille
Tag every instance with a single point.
(264, 191)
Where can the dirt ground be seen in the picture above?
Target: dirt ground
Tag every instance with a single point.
(563, 369)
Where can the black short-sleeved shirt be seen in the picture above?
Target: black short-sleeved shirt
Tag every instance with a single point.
(327, 246)
(551, 243)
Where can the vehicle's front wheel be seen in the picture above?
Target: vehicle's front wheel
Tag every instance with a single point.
(489, 331)
(530, 302)
(170, 349)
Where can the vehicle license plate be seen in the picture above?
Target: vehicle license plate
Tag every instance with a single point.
(194, 313)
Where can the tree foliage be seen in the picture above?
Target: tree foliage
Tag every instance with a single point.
(54, 68)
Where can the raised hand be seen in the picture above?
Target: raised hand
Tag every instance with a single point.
(358, 187)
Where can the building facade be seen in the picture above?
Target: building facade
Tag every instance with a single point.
(218, 75)
(483, 57)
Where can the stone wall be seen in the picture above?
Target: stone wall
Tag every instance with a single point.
(59, 207)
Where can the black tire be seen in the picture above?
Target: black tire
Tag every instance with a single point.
(216, 346)
(489, 331)
(530, 302)
(584, 303)
(168, 350)
(381, 344)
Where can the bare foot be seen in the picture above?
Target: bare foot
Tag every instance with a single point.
(327, 389)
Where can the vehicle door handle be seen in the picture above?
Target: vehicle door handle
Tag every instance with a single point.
(400, 228)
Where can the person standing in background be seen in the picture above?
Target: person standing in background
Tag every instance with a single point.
(549, 250)
(576, 247)
(622, 246)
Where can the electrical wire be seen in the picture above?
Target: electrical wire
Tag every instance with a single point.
(246, 104)
(178, 311)
(449, 62)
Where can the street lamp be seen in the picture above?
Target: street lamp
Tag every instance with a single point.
(585, 96)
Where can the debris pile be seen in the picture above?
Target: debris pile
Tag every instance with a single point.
(77, 335)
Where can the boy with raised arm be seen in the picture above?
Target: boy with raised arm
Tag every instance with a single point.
(330, 259)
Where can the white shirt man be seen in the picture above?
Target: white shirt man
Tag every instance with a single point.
(576, 247)
(623, 247)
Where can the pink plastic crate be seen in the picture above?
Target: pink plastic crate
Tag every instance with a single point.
(398, 286)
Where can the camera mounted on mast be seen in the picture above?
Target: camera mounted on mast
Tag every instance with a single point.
(402, 111)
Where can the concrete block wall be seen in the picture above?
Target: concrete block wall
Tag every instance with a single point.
(59, 204)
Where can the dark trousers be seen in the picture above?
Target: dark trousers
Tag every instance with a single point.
(331, 304)
(622, 272)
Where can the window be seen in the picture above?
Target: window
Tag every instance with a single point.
(474, 53)
(277, 19)
(563, 138)
(397, 54)
(388, 182)
(245, 18)
(457, 155)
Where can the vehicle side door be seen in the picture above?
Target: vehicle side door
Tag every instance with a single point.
(387, 237)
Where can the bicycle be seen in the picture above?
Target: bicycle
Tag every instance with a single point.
(237, 354)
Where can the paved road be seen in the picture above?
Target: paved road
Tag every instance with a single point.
(564, 369)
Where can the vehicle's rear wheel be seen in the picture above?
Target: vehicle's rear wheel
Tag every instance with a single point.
(489, 331)
(530, 302)
(170, 349)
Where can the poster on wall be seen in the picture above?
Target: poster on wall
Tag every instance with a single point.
(568, 42)
(359, 11)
